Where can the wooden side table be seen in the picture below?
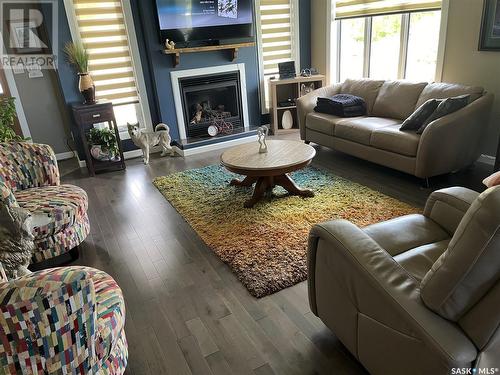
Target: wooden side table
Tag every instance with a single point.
(86, 116)
(282, 90)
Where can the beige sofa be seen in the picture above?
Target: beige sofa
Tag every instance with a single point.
(447, 145)
(416, 295)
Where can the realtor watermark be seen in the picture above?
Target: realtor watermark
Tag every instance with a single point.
(29, 34)
(475, 371)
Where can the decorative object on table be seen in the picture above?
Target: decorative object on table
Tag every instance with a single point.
(263, 133)
(306, 73)
(489, 39)
(60, 220)
(271, 253)
(287, 120)
(104, 146)
(307, 88)
(16, 240)
(66, 320)
(8, 115)
(169, 44)
(219, 125)
(86, 116)
(493, 180)
(284, 95)
(287, 70)
(78, 56)
(146, 140)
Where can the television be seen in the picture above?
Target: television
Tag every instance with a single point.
(198, 22)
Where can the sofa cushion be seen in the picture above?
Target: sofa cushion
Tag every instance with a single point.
(420, 116)
(324, 123)
(390, 138)
(418, 261)
(54, 208)
(444, 108)
(364, 88)
(360, 129)
(397, 99)
(448, 90)
(405, 233)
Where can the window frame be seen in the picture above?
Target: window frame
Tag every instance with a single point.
(143, 105)
(295, 47)
(403, 48)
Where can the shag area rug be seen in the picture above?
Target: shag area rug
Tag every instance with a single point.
(266, 246)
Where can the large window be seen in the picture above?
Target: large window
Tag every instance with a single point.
(100, 26)
(387, 39)
(277, 37)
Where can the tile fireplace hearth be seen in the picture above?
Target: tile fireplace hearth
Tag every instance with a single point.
(211, 107)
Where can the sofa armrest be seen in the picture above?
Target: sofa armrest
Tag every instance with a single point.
(306, 104)
(447, 207)
(453, 142)
(57, 310)
(365, 278)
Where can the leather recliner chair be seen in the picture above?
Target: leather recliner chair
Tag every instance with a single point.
(419, 294)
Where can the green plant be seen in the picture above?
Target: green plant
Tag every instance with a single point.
(8, 115)
(77, 56)
(105, 138)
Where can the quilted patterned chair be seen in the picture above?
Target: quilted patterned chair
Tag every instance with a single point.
(29, 178)
(62, 321)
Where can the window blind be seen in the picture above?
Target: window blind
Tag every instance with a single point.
(103, 33)
(364, 8)
(276, 34)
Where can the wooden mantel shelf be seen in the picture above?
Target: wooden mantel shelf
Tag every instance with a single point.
(176, 53)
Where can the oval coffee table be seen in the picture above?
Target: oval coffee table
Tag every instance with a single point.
(270, 169)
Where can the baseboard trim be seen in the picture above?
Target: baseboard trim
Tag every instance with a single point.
(65, 156)
(487, 159)
(215, 146)
(127, 155)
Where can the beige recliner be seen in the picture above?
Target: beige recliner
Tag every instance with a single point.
(418, 294)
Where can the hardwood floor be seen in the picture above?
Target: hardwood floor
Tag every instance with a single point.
(186, 311)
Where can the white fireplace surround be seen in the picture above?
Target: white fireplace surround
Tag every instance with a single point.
(177, 75)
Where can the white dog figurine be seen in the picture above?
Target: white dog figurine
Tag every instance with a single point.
(145, 140)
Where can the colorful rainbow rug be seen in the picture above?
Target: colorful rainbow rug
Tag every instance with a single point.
(266, 247)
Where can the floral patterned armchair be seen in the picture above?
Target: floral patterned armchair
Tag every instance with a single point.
(29, 178)
(62, 321)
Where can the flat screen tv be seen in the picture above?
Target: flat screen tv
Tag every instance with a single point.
(195, 21)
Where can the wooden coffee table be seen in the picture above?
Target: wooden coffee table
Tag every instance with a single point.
(269, 170)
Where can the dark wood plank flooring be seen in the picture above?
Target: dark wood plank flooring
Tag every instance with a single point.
(186, 311)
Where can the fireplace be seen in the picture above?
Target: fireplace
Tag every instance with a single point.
(210, 102)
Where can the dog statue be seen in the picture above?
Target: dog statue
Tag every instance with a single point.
(145, 140)
(16, 240)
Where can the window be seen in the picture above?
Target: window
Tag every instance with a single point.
(277, 37)
(101, 28)
(385, 39)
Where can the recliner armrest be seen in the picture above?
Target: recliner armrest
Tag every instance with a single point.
(447, 207)
(306, 104)
(368, 278)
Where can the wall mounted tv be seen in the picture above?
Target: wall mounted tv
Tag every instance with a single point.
(194, 22)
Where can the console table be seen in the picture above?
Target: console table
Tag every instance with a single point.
(86, 116)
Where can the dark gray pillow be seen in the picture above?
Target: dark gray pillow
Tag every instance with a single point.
(421, 114)
(446, 107)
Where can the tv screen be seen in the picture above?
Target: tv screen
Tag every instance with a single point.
(195, 20)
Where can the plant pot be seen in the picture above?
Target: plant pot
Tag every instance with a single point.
(99, 154)
(87, 88)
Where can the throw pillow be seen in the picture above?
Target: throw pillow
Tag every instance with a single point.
(493, 180)
(446, 107)
(421, 114)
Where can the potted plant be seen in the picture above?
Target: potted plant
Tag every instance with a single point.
(78, 56)
(104, 146)
(8, 115)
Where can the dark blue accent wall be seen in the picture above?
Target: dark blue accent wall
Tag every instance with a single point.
(157, 66)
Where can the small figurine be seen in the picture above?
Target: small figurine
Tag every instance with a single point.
(262, 133)
(170, 44)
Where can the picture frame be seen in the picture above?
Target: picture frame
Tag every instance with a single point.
(489, 39)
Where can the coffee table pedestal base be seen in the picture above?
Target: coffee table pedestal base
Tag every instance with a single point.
(268, 183)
